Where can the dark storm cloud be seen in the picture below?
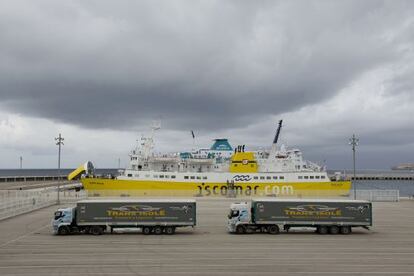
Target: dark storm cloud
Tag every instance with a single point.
(208, 64)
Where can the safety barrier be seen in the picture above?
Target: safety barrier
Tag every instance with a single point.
(377, 195)
(16, 202)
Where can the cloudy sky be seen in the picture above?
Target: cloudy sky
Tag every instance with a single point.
(100, 71)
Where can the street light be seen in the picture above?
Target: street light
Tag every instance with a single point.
(354, 142)
(59, 142)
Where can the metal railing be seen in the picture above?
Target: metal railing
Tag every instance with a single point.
(378, 195)
(16, 202)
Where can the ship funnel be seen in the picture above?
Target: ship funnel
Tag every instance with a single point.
(278, 132)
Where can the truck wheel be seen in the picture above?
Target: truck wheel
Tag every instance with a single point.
(96, 230)
(334, 230)
(273, 229)
(146, 230)
(250, 230)
(64, 230)
(240, 229)
(170, 230)
(157, 230)
(345, 230)
(322, 230)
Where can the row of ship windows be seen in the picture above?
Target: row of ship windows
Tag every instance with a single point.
(268, 177)
(255, 177)
(155, 176)
(311, 177)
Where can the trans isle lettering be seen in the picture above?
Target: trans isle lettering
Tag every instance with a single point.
(313, 213)
(113, 213)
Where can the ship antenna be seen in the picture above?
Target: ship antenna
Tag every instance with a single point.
(278, 132)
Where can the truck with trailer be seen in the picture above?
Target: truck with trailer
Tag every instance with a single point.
(325, 215)
(152, 216)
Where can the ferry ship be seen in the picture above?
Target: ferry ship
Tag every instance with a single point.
(216, 171)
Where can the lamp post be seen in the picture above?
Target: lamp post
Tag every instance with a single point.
(354, 142)
(59, 143)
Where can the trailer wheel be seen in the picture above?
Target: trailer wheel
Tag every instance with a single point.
(96, 230)
(273, 229)
(146, 230)
(157, 230)
(64, 230)
(240, 229)
(345, 230)
(170, 230)
(334, 230)
(322, 230)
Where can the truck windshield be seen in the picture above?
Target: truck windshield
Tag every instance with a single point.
(233, 213)
(58, 215)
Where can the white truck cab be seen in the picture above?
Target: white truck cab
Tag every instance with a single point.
(62, 219)
(239, 215)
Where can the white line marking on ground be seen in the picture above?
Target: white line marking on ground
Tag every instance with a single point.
(23, 236)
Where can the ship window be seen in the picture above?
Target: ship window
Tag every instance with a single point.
(186, 177)
(155, 176)
(322, 176)
(204, 177)
(235, 165)
(262, 177)
(274, 177)
(173, 176)
(317, 177)
(281, 177)
(192, 177)
(255, 177)
(208, 167)
(172, 166)
(268, 177)
(311, 177)
(129, 175)
(193, 167)
(167, 176)
(306, 177)
(198, 177)
(300, 177)
(161, 176)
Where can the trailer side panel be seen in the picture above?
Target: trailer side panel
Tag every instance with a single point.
(136, 213)
(311, 213)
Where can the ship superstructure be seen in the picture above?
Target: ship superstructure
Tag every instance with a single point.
(278, 171)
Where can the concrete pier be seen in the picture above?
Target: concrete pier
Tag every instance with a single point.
(378, 176)
(27, 247)
(32, 178)
(383, 177)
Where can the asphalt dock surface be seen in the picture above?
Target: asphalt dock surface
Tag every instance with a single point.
(28, 247)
